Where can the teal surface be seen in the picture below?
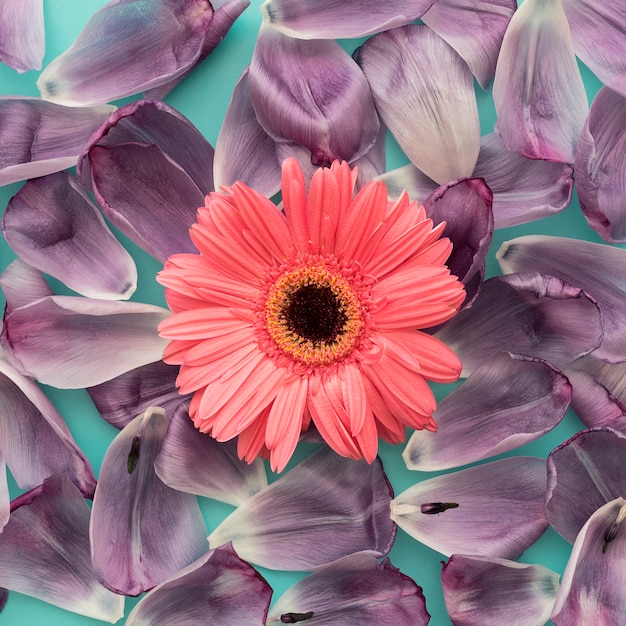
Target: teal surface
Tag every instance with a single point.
(203, 97)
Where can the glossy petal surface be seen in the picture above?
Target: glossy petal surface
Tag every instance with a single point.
(347, 510)
(141, 531)
(499, 512)
(22, 37)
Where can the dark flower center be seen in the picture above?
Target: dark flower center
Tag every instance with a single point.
(315, 313)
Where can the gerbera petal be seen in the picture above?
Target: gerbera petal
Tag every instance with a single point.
(487, 590)
(192, 461)
(52, 521)
(584, 473)
(594, 578)
(474, 29)
(52, 225)
(538, 90)
(600, 166)
(347, 510)
(22, 37)
(506, 402)
(432, 114)
(329, 19)
(39, 138)
(218, 588)
(495, 509)
(244, 151)
(67, 341)
(355, 589)
(531, 314)
(596, 268)
(523, 189)
(141, 531)
(125, 48)
(312, 93)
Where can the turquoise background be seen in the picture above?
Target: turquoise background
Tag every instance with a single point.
(203, 97)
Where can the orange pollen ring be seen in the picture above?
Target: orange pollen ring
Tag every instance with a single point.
(305, 350)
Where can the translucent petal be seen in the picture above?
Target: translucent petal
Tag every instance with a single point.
(22, 37)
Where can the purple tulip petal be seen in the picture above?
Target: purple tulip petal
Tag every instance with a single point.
(312, 93)
(584, 473)
(194, 462)
(121, 399)
(538, 91)
(410, 179)
(599, 396)
(479, 591)
(142, 532)
(495, 509)
(592, 588)
(128, 47)
(600, 166)
(346, 510)
(39, 138)
(44, 552)
(523, 189)
(594, 267)
(530, 314)
(34, 440)
(218, 588)
(329, 19)
(505, 403)
(22, 284)
(355, 589)
(598, 32)
(67, 342)
(432, 114)
(465, 207)
(244, 151)
(53, 225)
(474, 29)
(22, 37)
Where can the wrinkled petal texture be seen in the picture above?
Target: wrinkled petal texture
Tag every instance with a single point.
(432, 114)
(538, 91)
(499, 512)
(141, 531)
(22, 37)
(346, 509)
(600, 166)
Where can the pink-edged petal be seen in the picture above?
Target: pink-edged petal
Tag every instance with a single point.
(598, 32)
(506, 402)
(52, 225)
(530, 314)
(194, 462)
(34, 440)
(5, 499)
(466, 208)
(474, 29)
(330, 19)
(125, 48)
(355, 589)
(594, 267)
(488, 591)
(39, 138)
(22, 284)
(495, 509)
(584, 473)
(592, 587)
(67, 341)
(142, 531)
(44, 552)
(218, 588)
(244, 151)
(523, 189)
(600, 166)
(432, 114)
(538, 90)
(346, 510)
(22, 36)
(312, 93)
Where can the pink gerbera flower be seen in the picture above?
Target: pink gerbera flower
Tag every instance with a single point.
(311, 315)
